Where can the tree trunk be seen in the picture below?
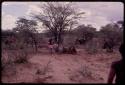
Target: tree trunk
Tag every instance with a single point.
(34, 42)
(55, 38)
(59, 38)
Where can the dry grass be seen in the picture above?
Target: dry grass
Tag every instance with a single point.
(42, 73)
(10, 59)
(44, 70)
(88, 68)
(85, 71)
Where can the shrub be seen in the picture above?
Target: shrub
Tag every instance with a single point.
(85, 71)
(44, 70)
(92, 46)
(21, 57)
(8, 65)
(81, 73)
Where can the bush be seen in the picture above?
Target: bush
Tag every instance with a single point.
(21, 57)
(11, 57)
(8, 65)
(81, 73)
(85, 71)
(112, 32)
(44, 70)
(92, 46)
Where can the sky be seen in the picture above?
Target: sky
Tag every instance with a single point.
(96, 13)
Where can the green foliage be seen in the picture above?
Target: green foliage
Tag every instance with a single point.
(85, 32)
(112, 32)
(21, 57)
(26, 30)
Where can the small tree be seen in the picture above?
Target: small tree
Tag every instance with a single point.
(113, 33)
(27, 29)
(8, 39)
(85, 32)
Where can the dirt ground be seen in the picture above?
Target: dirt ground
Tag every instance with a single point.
(62, 68)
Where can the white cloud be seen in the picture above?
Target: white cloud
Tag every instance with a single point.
(100, 13)
(88, 13)
(33, 9)
(8, 21)
(112, 10)
(40, 27)
(96, 13)
(96, 21)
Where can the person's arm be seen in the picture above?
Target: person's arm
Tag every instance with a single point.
(111, 75)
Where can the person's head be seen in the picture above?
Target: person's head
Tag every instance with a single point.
(121, 50)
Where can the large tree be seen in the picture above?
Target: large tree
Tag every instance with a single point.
(58, 17)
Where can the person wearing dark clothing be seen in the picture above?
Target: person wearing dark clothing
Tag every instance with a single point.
(108, 45)
(50, 41)
(118, 69)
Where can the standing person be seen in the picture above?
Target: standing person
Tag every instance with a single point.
(55, 46)
(50, 43)
(118, 69)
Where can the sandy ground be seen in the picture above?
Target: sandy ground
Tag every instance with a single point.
(62, 68)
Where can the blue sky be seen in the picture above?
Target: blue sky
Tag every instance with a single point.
(97, 13)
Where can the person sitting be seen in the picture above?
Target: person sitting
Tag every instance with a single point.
(72, 50)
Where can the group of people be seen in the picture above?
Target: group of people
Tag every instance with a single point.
(54, 47)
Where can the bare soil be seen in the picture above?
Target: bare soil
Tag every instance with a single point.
(43, 67)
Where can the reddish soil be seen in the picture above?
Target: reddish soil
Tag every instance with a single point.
(62, 68)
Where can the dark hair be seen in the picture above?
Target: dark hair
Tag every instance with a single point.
(121, 50)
